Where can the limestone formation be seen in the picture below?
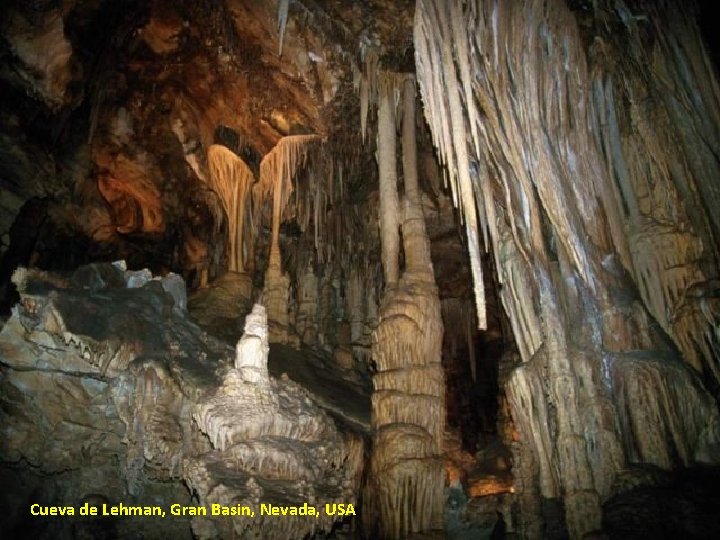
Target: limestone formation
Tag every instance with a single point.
(306, 321)
(407, 479)
(141, 397)
(43, 54)
(231, 179)
(589, 292)
(455, 261)
(270, 443)
(277, 171)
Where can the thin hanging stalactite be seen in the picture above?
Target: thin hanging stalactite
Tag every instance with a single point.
(417, 247)
(389, 206)
(283, 7)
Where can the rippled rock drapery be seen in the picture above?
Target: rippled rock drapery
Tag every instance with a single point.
(106, 382)
(591, 155)
(232, 179)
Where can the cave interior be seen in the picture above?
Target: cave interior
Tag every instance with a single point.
(433, 268)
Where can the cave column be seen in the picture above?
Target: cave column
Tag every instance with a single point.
(277, 284)
(405, 490)
(415, 238)
(389, 205)
(276, 173)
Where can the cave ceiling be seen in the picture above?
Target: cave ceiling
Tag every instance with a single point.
(108, 108)
(215, 62)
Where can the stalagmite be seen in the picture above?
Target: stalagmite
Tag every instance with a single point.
(231, 179)
(277, 170)
(406, 484)
(269, 442)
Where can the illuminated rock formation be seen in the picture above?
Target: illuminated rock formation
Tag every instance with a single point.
(406, 486)
(138, 399)
(541, 279)
(597, 257)
(270, 443)
(231, 179)
(277, 170)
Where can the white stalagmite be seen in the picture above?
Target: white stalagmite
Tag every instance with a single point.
(270, 443)
(252, 349)
(231, 179)
(277, 170)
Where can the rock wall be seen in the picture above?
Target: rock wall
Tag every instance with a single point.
(600, 225)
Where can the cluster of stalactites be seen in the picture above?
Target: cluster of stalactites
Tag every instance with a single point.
(277, 170)
(572, 255)
(436, 29)
(231, 179)
(366, 84)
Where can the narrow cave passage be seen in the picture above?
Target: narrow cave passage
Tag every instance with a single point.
(479, 432)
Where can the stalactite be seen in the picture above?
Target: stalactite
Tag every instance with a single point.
(436, 72)
(573, 255)
(389, 206)
(277, 170)
(417, 245)
(231, 179)
(283, 6)
(368, 87)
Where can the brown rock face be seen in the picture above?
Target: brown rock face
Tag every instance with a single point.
(42, 52)
(135, 202)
